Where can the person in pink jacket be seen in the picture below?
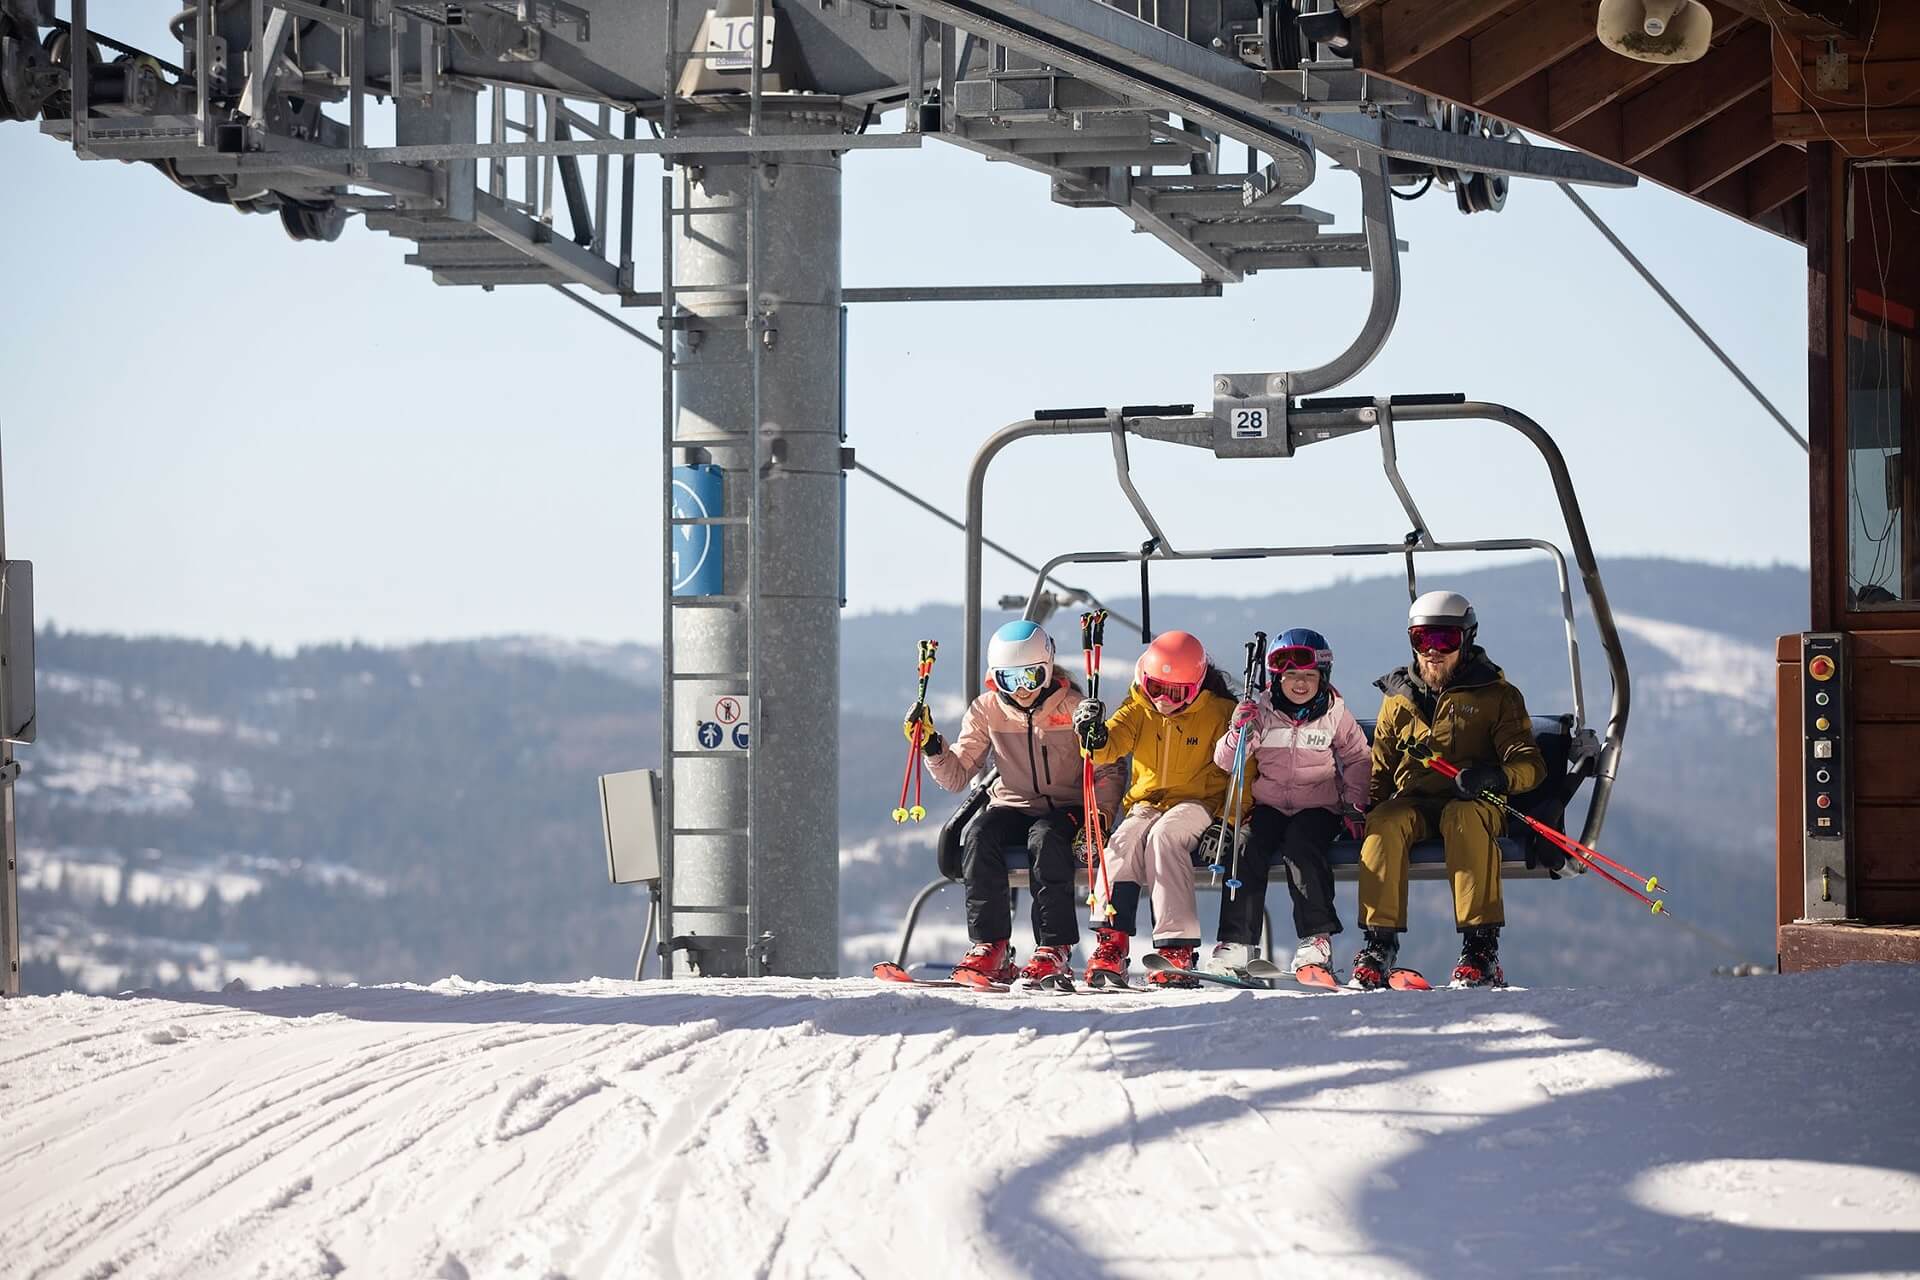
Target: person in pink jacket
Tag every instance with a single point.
(1025, 720)
(1307, 768)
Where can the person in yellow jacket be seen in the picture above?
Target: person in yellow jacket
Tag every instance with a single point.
(1177, 709)
(1453, 701)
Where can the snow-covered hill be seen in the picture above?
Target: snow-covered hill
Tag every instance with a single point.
(1733, 1127)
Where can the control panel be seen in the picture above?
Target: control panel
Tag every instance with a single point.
(1825, 761)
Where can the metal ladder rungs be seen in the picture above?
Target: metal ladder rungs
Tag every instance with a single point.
(732, 440)
(712, 831)
(708, 602)
(710, 364)
(708, 755)
(709, 911)
(712, 675)
(709, 520)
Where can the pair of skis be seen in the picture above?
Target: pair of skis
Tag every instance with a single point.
(1590, 858)
(1236, 786)
(916, 762)
(1057, 984)
(1263, 975)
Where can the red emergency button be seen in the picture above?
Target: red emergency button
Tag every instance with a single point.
(1821, 667)
(1823, 800)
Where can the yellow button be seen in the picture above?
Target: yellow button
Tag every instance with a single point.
(1822, 724)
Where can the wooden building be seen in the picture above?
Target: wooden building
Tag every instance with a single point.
(1803, 118)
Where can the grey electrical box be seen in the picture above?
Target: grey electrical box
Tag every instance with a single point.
(630, 820)
(16, 657)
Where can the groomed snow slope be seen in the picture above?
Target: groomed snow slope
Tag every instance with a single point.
(1734, 1127)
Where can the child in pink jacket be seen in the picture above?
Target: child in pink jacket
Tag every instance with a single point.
(1024, 723)
(1307, 768)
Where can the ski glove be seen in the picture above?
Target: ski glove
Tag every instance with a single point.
(919, 716)
(1471, 781)
(1243, 715)
(1356, 827)
(1090, 722)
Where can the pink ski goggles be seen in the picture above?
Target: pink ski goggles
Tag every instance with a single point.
(1295, 657)
(1438, 639)
(1166, 691)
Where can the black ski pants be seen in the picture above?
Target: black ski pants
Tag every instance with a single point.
(1049, 841)
(1300, 841)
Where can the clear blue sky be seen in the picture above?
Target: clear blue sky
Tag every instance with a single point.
(212, 431)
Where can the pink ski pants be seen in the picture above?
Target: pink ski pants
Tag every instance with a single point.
(1154, 849)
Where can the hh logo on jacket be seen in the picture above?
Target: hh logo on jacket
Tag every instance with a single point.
(1287, 735)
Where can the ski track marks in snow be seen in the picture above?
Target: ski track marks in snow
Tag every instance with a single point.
(784, 1129)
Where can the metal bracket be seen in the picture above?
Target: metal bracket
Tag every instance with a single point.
(1250, 416)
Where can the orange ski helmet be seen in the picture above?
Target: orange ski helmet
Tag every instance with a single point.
(1172, 669)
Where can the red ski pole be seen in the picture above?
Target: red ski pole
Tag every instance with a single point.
(915, 770)
(1590, 858)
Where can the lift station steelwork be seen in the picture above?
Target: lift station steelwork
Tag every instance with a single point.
(516, 125)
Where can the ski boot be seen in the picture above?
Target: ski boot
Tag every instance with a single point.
(1231, 958)
(986, 964)
(1179, 958)
(1479, 959)
(1108, 967)
(1374, 964)
(1050, 969)
(1313, 962)
(1374, 967)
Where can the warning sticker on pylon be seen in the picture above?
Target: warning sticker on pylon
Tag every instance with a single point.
(710, 722)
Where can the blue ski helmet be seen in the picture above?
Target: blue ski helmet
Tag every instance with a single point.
(1020, 657)
(1298, 648)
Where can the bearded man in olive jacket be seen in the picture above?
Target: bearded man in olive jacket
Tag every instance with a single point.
(1452, 702)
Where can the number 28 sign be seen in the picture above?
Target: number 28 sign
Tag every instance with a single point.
(1249, 424)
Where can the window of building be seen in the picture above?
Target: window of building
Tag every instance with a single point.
(1882, 469)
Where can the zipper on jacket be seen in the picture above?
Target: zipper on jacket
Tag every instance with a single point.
(1166, 738)
(1038, 769)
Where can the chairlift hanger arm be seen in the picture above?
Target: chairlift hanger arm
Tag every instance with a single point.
(1269, 392)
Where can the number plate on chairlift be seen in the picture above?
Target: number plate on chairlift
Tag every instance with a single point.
(1249, 424)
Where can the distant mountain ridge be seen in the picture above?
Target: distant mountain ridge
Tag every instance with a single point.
(196, 812)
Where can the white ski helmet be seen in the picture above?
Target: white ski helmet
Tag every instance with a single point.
(1019, 644)
(1444, 609)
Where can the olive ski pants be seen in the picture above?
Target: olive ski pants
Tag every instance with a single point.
(1470, 829)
